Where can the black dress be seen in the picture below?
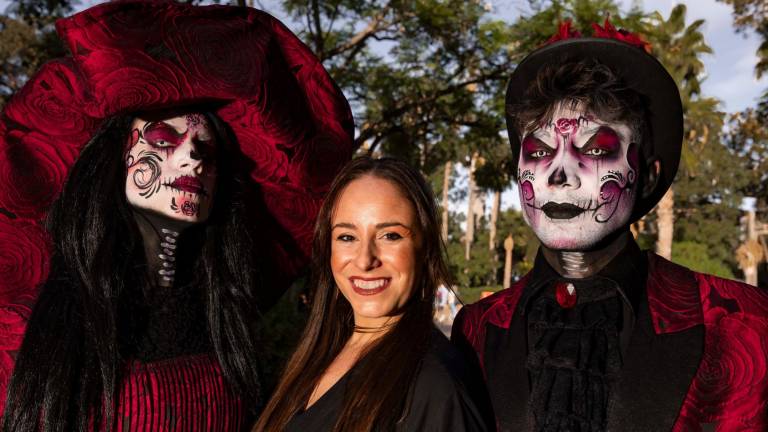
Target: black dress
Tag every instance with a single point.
(446, 397)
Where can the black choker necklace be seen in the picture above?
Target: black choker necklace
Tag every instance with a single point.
(385, 326)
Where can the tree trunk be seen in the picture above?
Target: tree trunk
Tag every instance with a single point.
(750, 266)
(469, 236)
(509, 244)
(446, 185)
(492, 234)
(666, 224)
(494, 221)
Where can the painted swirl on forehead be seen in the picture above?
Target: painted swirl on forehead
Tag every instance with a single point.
(195, 120)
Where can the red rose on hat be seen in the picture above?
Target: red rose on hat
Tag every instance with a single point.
(32, 171)
(198, 40)
(50, 102)
(24, 255)
(131, 81)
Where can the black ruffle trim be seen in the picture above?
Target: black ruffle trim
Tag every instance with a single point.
(574, 358)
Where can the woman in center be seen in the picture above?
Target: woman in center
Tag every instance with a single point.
(370, 357)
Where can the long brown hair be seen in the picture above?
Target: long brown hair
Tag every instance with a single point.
(371, 401)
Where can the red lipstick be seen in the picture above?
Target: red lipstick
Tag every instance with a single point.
(188, 184)
(369, 286)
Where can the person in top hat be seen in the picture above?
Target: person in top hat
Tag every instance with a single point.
(599, 335)
(178, 157)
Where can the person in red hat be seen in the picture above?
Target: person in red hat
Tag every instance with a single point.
(599, 335)
(178, 157)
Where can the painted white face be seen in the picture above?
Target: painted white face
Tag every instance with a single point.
(171, 168)
(374, 249)
(577, 178)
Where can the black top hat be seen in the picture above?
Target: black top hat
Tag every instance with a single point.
(639, 71)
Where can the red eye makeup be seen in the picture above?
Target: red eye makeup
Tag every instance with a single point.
(533, 148)
(605, 140)
(162, 136)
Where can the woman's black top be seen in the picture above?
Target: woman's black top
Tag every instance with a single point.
(446, 396)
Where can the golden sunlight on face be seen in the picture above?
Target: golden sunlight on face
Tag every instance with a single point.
(374, 246)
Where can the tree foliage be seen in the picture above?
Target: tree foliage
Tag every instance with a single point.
(416, 72)
(753, 15)
(27, 40)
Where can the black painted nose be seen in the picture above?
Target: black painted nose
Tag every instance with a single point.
(558, 177)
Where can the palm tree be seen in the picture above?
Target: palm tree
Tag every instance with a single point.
(680, 50)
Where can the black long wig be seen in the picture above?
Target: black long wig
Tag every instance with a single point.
(67, 370)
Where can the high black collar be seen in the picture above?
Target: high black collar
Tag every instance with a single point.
(628, 270)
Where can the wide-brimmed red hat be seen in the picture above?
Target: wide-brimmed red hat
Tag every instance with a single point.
(628, 56)
(288, 116)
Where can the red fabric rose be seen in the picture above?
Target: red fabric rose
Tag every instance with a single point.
(33, 168)
(608, 31)
(24, 259)
(7, 362)
(131, 81)
(297, 212)
(673, 304)
(198, 42)
(50, 102)
(742, 297)
(564, 31)
(13, 323)
(269, 163)
(731, 381)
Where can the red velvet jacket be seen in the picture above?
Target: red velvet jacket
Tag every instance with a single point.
(697, 360)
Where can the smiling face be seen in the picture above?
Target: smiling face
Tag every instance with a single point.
(171, 169)
(374, 246)
(577, 178)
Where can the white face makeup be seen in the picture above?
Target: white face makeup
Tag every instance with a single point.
(374, 249)
(577, 178)
(171, 167)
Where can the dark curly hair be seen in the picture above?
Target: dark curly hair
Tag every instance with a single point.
(579, 84)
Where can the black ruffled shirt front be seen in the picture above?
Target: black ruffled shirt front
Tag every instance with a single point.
(575, 353)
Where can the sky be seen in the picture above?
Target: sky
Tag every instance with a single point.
(730, 68)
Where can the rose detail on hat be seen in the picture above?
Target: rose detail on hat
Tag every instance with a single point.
(608, 31)
(32, 172)
(24, 253)
(50, 102)
(126, 87)
(197, 44)
(564, 31)
(23, 267)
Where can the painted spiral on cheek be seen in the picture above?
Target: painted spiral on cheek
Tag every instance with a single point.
(146, 177)
(527, 190)
(610, 197)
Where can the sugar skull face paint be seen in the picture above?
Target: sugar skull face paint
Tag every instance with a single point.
(577, 178)
(171, 168)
